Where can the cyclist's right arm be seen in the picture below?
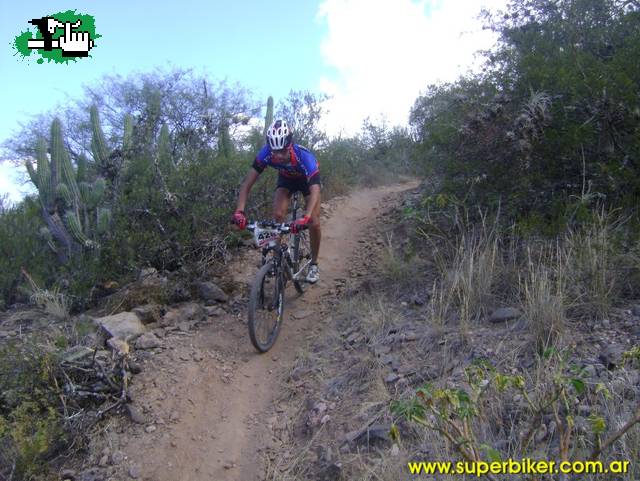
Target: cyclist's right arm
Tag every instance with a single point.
(245, 188)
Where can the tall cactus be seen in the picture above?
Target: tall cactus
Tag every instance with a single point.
(127, 141)
(164, 150)
(268, 119)
(225, 145)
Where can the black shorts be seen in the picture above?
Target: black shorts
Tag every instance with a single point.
(297, 185)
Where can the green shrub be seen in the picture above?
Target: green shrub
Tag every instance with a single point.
(551, 125)
(31, 424)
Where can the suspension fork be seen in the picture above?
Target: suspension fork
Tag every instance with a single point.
(281, 261)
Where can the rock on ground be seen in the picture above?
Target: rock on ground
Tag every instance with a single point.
(125, 325)
(211, 292)
(504, 314)
(148, 313)
(147, 341)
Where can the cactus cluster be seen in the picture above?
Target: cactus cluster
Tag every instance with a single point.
(74, 205)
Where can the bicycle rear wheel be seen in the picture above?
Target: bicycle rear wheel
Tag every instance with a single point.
(301, 259)
(266, 307)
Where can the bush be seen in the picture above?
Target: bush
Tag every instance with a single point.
(23, 245)
(31, 424)
(551, 125)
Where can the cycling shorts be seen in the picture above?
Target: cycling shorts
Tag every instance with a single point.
(297, 185)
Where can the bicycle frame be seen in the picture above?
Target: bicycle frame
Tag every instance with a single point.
(281, 257)
(282, 251)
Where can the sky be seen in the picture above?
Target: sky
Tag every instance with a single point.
(373, 57)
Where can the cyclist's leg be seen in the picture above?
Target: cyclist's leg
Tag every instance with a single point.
(314, 230)
(281, 203)
(284, 190)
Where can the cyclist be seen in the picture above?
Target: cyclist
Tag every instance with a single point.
(298, 170)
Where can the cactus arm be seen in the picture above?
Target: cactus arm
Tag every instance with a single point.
(103, 215)
(98, 143)
(65, 194)
(33, 175)
(69, 178)
(81, 171)
(75, 229)
(57, 149)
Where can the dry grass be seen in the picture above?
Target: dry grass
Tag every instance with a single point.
(53, 302)
(594, 268)
(439, 307)
(577, 275)
(396, 267)
(469, 266)
(473, 274)
(373, 314)
(543, 295)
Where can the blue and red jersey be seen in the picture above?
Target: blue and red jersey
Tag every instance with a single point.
(303, 164)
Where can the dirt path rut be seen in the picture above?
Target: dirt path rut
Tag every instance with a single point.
(209, 397)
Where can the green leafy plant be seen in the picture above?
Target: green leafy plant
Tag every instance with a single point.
(457, 413)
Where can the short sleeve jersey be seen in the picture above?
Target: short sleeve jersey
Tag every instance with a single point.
(303, 163)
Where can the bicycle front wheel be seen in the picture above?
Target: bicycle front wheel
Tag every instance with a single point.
(266, 307)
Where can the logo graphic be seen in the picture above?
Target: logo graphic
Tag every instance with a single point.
(60, 37)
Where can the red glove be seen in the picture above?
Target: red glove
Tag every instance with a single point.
(239, 219)
(299, 223)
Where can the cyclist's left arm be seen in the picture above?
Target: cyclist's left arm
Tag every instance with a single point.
(311, 169)
(314, 199)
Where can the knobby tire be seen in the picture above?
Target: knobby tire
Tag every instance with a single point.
(259, 304)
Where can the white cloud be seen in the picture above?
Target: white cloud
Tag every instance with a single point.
(384, 52)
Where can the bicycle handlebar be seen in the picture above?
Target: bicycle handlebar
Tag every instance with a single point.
(283, 227)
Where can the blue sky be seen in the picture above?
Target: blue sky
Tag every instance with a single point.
(372, 56)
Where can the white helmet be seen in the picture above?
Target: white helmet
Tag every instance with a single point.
(279, 135)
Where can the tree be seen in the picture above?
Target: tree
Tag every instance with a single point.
(303, 111)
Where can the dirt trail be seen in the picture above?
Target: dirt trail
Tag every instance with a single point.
(209, 397)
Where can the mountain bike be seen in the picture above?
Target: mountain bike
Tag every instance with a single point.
(281, 262)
